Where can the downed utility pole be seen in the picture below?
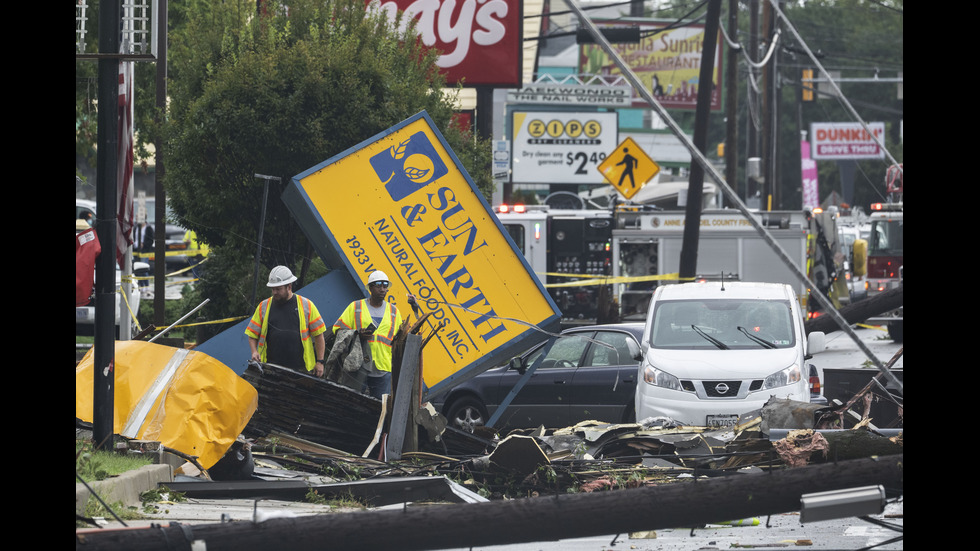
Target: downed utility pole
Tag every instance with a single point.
(860, 310)
(526, 520)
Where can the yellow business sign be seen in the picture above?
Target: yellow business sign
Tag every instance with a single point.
(628, 168)
(402, 203)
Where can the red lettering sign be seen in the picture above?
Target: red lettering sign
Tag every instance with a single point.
(480, 40)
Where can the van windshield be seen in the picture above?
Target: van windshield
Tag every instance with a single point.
(722, 324)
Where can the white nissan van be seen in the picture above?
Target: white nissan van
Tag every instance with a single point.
(713, 351)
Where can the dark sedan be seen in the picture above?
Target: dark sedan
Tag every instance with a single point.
(587, 373)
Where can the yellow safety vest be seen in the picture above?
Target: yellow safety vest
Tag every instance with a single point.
(310, 325)
(357, 317)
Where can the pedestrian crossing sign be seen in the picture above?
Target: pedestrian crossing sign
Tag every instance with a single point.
(628, 168)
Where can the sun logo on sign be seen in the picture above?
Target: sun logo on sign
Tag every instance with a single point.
(409, 166)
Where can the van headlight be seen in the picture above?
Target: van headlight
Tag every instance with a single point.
(656, 377)
(788, 376)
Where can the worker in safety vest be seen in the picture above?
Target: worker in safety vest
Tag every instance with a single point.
(196, 251)
(378, 321)
(286, 328)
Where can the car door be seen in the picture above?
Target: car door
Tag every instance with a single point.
(605, 382)
(545, 398)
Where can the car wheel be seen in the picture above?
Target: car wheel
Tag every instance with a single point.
(467, 413)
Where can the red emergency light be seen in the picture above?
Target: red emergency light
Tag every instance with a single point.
(508, 208)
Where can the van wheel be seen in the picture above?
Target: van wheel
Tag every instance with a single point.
(467, 413)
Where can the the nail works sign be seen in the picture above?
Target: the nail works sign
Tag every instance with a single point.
(480, 40)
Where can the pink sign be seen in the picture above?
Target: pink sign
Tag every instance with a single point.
(811, 191)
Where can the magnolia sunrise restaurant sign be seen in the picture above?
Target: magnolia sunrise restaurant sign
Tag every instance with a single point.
(480, 40)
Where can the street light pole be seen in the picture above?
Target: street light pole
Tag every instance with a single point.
(258, 252)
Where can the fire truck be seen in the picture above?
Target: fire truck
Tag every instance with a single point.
(601, 266)
(885, 248)
(563, 247)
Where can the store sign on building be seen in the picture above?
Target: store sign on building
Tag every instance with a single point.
(480, 40)
(561, 147)
(847, 140)
(666, 60)
(579, 95)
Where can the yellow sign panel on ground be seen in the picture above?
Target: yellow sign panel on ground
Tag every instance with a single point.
(401, 202)
(628, 168)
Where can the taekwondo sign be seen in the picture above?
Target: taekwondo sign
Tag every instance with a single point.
(401, 202)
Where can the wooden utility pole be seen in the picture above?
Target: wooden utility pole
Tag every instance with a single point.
(522, 520)
(695, 188)
(860, 310)
(768, 114)
(731, 103)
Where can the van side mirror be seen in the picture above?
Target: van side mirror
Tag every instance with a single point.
(816, 342)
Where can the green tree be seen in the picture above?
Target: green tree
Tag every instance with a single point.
(276, 94)
(861, 39)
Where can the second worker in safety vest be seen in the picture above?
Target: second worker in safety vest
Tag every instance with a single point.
(378, 321)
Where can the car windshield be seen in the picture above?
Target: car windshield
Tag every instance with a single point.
(722, 324)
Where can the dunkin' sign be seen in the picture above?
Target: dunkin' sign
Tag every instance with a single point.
(480, 40)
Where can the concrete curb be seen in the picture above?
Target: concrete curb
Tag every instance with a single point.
(125, 488)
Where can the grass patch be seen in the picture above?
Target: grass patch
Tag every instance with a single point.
(95, 509)
(346, 501)
(94, 465)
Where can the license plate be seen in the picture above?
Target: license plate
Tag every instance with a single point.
(721, 420)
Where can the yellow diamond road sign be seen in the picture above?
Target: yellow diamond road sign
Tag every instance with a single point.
(628, 168)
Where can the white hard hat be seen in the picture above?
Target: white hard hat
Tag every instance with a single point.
(377, 276)
(279, 276)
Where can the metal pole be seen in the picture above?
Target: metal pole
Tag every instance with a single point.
(185, 316)
(160, 207)
(110, 14)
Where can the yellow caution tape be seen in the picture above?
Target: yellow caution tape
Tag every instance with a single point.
(609, 280)
(132, 314)
(174, 273)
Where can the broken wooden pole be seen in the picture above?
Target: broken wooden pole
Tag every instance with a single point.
(859, 311)
(545, 518)
(402, 416)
